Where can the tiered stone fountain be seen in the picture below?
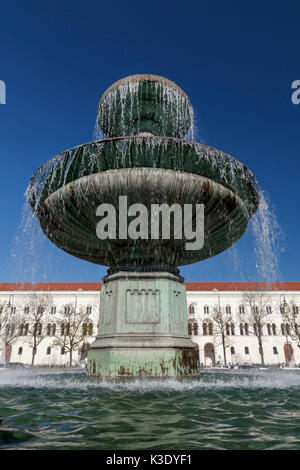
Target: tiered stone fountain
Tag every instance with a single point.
(143, 311)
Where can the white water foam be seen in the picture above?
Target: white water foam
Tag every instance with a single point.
(77, 381)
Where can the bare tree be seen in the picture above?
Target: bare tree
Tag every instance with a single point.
(290, 316)
(257, 315)
(11, 320)
(221, 320)
(38, 307)
(75, 327)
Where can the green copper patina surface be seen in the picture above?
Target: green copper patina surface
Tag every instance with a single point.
(143, 317)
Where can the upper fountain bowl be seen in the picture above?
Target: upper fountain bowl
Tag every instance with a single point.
(145, 104)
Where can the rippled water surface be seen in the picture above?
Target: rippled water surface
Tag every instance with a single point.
(46, 409)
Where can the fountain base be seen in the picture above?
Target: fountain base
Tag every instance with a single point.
(143, 328)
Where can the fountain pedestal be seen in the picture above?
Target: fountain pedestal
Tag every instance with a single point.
(143, 328)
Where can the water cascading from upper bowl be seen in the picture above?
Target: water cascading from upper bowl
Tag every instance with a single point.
(143, 318)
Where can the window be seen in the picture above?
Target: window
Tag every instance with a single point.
(189, 329)
(13, 310)
(195, 329)
(210, 329)
(20, 350)
(49, 328)
(37, 329)
(26, 310)
(246, 329)
(268, 309)
(21, 329)
(67, 309)
(62, 329)
(232, 350)
(228, 309)
(84, 329)
(255, 309)
(282, 329)
(274, 329)
(191, 309)
(269, 329)
(53, 329)
(40, 309)
(48, 350)
(88, 310)
(255, 329)
(1, 310)
(62, 351)
(246, 350)
(287, 327)
(232, 329)
(242, 309)
(296, 309)
(25, 330)
(204, 326)
(53, 310)
(241, 329)
(281, 308)
(227, 330)
(206, 309)
(275, 350)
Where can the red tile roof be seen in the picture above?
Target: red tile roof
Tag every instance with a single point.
(191, 286)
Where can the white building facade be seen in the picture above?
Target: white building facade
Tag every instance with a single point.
(241, 344)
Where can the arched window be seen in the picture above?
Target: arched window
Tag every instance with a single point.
(274, 329)
(232, 350)
(88, 310)
(246, 350)
(26, 329)
(268, 309)
(49, 350)
(282, 329)
(227, 330)
(195, 329)
(39, 329)
(246, 329)
(228, 309)
(189, 329)
(62, 329)
(206, 309)
(53, 310)
(204, 326)
(242, 309)
(287, 327)
(84, 329)
(269, 329)
(241, 329)
(232, 329)
(275, 350)
(20, 350)
(53, 329)
(90, 329)
(49, 328)
(13, 310)
(210, 329)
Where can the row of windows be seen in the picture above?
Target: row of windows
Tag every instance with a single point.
(244, 329)
(87, 329)
(48, 351)
(232, 350)
(53, 310)
(255, 309)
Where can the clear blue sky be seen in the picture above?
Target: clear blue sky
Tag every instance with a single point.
(235, 60)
